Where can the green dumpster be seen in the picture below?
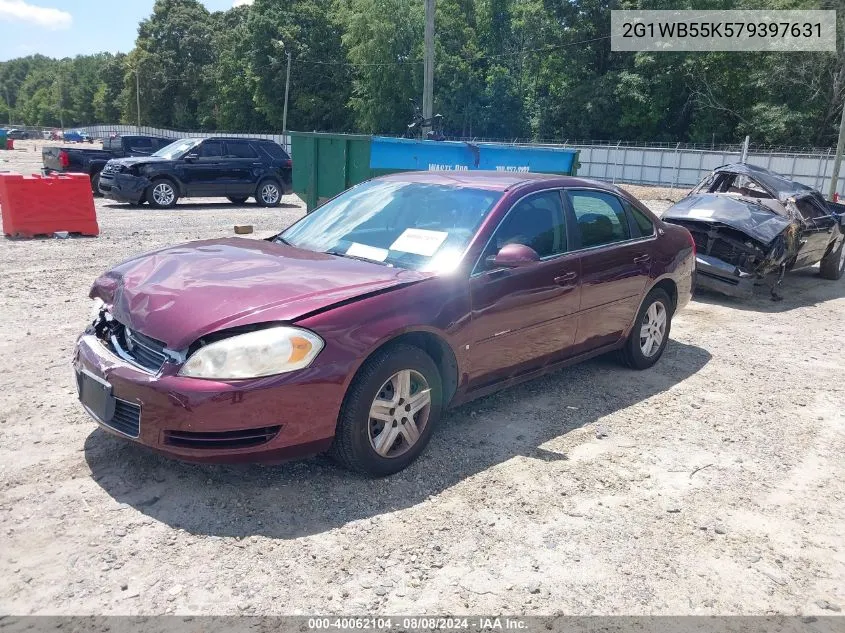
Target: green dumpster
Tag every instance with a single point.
(2, 139)
(326, 164)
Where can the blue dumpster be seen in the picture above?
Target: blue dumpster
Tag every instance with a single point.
(388, 155)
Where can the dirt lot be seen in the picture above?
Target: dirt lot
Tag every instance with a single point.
(713, 483)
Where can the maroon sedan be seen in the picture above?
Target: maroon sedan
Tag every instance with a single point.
(356, 327)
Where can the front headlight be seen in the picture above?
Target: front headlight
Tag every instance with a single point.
(275, 350)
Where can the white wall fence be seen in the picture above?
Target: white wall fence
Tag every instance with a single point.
(684, 168)
(666, 167)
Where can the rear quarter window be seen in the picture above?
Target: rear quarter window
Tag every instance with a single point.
(642, 223)
(275, 151)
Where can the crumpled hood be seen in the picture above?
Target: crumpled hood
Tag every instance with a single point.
(181, 293)
(756, 221)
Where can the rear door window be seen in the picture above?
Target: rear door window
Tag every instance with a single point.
(600, 218)
(240, 149)
(140, 144)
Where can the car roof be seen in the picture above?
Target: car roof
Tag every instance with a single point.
(495, 180)
(229, 138)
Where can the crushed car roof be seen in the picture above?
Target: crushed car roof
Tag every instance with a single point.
(775, 183)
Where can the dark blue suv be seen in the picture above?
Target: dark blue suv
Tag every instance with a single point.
(233, 168)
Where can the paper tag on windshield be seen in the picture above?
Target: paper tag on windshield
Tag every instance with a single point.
(701, 213)
(367, 252)
(419, 242)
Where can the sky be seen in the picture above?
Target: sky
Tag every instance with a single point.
(65, 28)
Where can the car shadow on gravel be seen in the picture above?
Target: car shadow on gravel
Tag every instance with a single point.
(313, 496)
(800, 288)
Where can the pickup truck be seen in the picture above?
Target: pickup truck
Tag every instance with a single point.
(91, 161)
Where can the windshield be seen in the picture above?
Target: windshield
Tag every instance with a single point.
(408, 224)
(176, 149)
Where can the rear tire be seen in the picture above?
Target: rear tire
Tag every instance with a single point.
(358, 433)
(648, 338)
(833, 264)
(237, 199)
(268, 193)
(161, 194)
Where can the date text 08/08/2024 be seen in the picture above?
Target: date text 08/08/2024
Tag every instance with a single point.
(416, 623)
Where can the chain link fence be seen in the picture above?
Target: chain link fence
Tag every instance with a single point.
(678, 165)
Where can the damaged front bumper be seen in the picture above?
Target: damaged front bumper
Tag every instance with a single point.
(714, 274)
(123, 187)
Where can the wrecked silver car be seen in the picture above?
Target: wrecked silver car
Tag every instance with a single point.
(749, 223)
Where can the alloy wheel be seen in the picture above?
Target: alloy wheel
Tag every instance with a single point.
(270, 193)
(163, 194)
(399, 413)
(653, 329)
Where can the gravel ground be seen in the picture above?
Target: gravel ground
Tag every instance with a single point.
(710, 484)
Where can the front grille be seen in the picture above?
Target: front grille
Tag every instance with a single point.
(143, 350)
(127, 418)
(719, 249)
(223, 439)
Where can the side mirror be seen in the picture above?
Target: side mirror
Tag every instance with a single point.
(192, 157)
(842, 220)
(515, 256)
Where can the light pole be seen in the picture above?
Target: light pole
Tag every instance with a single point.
(287, 93)
(61, 103)
(428, 66)
(837, 161)
(281, 44)
(8, 104)
(138, 95)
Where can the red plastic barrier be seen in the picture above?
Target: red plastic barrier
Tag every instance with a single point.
(10, 143)
(42, 205)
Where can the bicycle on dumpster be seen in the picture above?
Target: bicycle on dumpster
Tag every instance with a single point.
(419, 122)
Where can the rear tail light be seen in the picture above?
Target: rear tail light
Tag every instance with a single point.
(64, 159)
(287, 163)
(692, 243)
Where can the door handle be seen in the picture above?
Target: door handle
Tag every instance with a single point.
(642, 259)
(565, 279)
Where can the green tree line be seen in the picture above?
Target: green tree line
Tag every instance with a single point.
(507, 69)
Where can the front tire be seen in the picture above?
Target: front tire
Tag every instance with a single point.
(833, 264)
(161, 194)
(95, 185)
(237, 199)
(650, 334)
(268, 193)
(389, 412)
